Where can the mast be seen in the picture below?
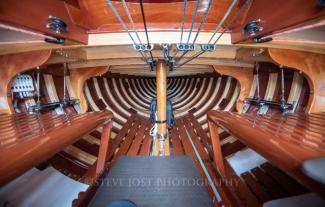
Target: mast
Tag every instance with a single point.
(161, 145)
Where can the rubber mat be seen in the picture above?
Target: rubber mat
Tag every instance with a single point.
(154, 182)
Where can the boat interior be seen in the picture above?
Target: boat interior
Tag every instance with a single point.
(151, 103)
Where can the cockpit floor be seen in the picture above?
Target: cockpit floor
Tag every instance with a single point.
(155, 182)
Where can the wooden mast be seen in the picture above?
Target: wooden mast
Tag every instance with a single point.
(161, 145)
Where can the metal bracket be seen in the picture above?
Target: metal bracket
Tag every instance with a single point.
(252, 28)
(55, 105)
(152, 63)
(263, 109)
(168, 59)
(246, 106)
(208, 47)
(57, 25)
(265, 104)
(259, 39)
(55, 40)
(292, 108)
(185, 47)
(143, 47)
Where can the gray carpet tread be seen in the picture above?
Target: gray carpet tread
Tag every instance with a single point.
(155, 182)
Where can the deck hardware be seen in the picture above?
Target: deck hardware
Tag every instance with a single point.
(59, 105)
(169, 60)
(57, 25)
(252, 28)
(263, 108)
(189, 47)
(55, 40)
(208, 47)
(261, 39)
(265, 104)
(185, 47)
(143, 47)
(152, 63)
(54, 105)
(246, 106)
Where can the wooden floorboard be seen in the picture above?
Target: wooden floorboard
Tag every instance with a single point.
(273, 188)
(177, 146)
(145, 147)
(290, 186)
(119, 137)
(134, 149)
(259, 191)
(231, 148)
(195, 139)
(127, 142)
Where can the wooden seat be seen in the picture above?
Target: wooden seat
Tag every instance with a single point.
(285, 140)
(27, 140)
(133, 140)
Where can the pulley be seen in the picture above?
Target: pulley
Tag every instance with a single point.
(208, 47)
(57, 25)
(143, 47)
(252, 28)
(185, 47)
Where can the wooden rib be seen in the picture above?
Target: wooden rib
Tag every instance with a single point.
(312, 65)
(10, 65)
(80, 154)
(245, 78)
(296, 88)
(78, 77)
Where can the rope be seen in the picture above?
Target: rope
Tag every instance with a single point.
(145, 26)
(109, 2)
(144, 55)
(200, 26)
(193, 20)
(154, 129)
(183, 20)
(226, 28)
(203, 20)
